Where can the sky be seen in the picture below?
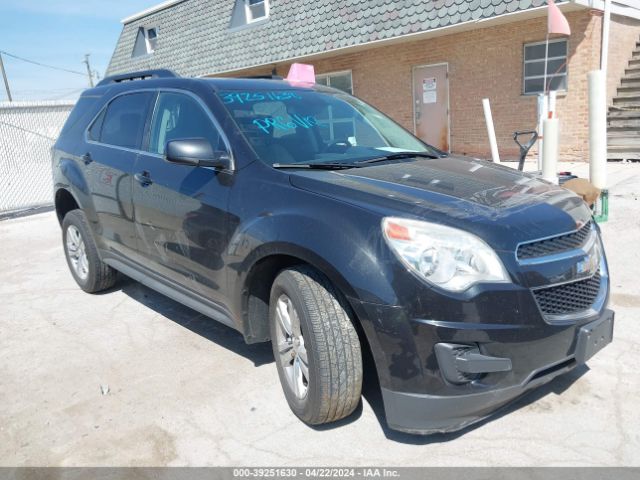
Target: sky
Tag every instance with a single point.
(59, 33)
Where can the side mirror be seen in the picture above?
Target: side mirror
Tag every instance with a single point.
(196, 152)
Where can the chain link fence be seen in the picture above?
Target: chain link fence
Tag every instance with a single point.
(28, 130)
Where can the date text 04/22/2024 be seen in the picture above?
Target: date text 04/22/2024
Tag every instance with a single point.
(365, 473)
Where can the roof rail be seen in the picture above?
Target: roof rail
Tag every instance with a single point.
(263, 77)
(141, 75)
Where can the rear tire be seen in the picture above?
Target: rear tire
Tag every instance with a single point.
(316, 346)
(88, 270)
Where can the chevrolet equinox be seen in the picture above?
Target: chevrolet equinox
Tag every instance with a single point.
(298, 214)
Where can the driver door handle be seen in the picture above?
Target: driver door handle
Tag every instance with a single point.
(143, 178)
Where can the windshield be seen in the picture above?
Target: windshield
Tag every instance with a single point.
(308, 126)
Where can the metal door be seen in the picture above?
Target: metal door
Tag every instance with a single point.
(109, 155)
(431, 104)
(181, 211)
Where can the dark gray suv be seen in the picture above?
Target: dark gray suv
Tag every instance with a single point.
(298, 214)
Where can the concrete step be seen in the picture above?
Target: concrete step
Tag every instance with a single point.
(631, 73)
(630, 92)
(634, 62)
(627, 88)
(617, 156)
(623, 133)
(615, 113)
(627, 101)
(624, 142)
(628, 149)
(630, 82)
(619, 130)
(622, 123)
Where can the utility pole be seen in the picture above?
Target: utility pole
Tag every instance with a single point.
(89, 72)
(6, 81)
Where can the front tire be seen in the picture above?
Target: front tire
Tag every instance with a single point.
(316, 346)
(88, 270)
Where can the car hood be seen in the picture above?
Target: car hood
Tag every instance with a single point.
(500, 204)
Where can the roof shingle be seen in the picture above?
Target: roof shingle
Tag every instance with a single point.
(195, 38)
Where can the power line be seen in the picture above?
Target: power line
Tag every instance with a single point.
(26, 130)
(47, 90)
(42, 64)
(68, 94)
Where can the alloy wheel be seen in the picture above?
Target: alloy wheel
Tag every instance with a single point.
(292, 353)
(76, 251)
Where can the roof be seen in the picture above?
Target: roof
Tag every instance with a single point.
(248, 84)
(149, 11)
(195, 37)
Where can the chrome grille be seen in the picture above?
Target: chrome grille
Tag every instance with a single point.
(568, 298)
(554, 245)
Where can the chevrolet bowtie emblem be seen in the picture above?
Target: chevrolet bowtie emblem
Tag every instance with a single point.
(590, 264)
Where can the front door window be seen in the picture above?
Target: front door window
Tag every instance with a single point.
(178, 117)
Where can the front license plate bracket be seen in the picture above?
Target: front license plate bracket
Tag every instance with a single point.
(593, 337)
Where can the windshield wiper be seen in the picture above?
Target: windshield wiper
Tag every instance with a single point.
(316, 166)
(399, 156)
(360, 164)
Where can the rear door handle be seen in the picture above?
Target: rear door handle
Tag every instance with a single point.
(86, 158)
(143, 178)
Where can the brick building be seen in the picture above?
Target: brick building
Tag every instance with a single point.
(427, 64)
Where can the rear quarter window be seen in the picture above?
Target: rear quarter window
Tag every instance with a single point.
(96, 127)
(80, 114)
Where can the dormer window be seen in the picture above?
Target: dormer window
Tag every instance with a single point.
(256, 10)
(146, 42)
(152, 39)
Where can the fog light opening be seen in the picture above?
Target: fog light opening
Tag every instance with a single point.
(460, 364)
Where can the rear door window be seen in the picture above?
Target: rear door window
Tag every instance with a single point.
(122, 124)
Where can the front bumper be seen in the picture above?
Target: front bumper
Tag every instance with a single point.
(426, 414)
(423, 402)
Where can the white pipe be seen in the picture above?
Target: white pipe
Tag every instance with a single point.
(495, 155)
(542, 114)
(606, 22)
(598, 128)
(550, 153)
(552, 105)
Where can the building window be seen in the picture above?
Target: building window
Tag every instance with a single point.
(256, 10)
(336, 125)
(533, 76)
(152, 39)
(146, 42)
(340, 80)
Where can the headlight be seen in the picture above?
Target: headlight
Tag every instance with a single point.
(444, 256)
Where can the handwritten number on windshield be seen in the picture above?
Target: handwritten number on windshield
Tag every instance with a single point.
(249, 97)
